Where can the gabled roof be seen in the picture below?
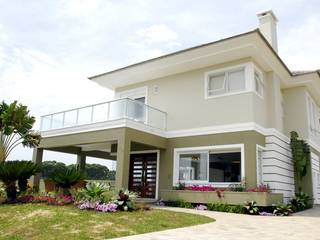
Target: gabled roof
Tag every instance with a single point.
(174, 53)
(303, 72)
(196, 47)
(146, 69)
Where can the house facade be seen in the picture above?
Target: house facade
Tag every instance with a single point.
(216, 114)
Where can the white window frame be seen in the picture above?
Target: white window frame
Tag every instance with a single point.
(259, 148)
(313, 111)
(247, 76)
(217, 148)
(259, 72)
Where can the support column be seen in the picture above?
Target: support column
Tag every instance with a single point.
(81, 162)
(123, 162)
(37, 158)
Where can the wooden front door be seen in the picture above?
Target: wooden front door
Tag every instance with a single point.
(143, 174)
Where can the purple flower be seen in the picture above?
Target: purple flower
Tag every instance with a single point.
(107, 207)
(160, 203)
(201, 207)
(87, 205)
(266, 214)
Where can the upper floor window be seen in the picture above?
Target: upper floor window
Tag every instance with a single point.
(314, 116)
(259, 85)
(231, 81)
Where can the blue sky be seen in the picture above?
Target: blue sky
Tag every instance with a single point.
(49, 48)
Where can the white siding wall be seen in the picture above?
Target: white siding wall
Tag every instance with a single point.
(315, 177)
(277, 166)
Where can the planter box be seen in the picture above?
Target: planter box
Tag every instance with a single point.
(234, 198)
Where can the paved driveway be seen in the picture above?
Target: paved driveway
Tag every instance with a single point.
(305, 225)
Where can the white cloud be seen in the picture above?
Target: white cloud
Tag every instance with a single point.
(48, 49)
(158, 33)
(299, 46)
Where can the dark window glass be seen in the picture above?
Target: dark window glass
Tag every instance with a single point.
(225, 167)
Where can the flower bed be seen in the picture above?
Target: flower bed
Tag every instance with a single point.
(58, 199)
(262, 198)
(95, 196)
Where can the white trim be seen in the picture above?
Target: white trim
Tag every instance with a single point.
(178, 151)
(259, 148)
(313, 145)
(158, 167)
(241, 127)
(260, 73)
(248, 126)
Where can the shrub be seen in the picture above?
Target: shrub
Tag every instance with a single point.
(219, 207)
(237, 187)
(183, 204)
(95, 190)
(26, 170)
(251, 207)
(300, 201)
(59, 199)
(66, 178)
(126, 200)
(236, 209)
(283, 210)
(9, 172)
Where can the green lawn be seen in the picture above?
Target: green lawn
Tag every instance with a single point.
(38, 221)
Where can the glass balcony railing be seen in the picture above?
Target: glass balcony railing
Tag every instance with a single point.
(114, 110)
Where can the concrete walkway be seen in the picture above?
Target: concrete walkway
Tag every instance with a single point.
(304, 225)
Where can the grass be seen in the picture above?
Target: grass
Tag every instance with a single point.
(39, 221)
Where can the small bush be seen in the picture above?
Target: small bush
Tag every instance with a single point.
(237, 187)
(236, 209)
(251, 207)
(183, 204)
(300, 202)
(283, 210)
(66, 178)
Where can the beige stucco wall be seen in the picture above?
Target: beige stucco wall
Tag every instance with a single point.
(182, 96)
(295, 111)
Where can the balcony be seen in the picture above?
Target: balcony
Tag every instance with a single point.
(106, 112)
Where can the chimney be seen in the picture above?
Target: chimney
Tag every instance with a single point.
(268, 27)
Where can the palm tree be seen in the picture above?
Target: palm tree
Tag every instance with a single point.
(9, 172)
(26, 170)
(16, 129)
(66, 178)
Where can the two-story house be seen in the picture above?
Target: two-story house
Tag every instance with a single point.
(215, 114)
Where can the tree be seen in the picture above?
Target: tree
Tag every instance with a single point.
(16, 129)
(95, 171)
(66, 178)
(111, 175)
(49, 167)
